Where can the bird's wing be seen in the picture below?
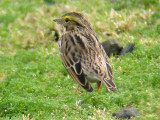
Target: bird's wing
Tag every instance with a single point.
(108, 78)
(71, 60)
(99, 60)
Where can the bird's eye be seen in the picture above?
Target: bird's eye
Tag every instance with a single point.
(66, 20)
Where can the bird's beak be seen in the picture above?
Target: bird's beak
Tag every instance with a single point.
(59, 21)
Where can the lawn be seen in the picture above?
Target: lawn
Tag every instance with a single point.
(34, 85)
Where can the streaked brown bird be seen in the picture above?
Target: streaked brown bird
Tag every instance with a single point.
(82, 54)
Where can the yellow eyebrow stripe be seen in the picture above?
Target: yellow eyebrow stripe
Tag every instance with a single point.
(74, 19)
(69, 17)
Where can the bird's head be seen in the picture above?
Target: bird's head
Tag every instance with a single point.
(73, 21)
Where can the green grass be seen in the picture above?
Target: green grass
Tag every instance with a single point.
(35, 85)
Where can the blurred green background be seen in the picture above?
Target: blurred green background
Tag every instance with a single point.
(34, 85)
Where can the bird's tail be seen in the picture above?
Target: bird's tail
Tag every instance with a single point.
(110, 84)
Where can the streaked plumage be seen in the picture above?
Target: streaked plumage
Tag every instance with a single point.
(82, 54)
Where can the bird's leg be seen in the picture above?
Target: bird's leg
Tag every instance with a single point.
(76, 89)
(98, 86)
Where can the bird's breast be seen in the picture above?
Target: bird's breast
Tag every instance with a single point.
(92, 79)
